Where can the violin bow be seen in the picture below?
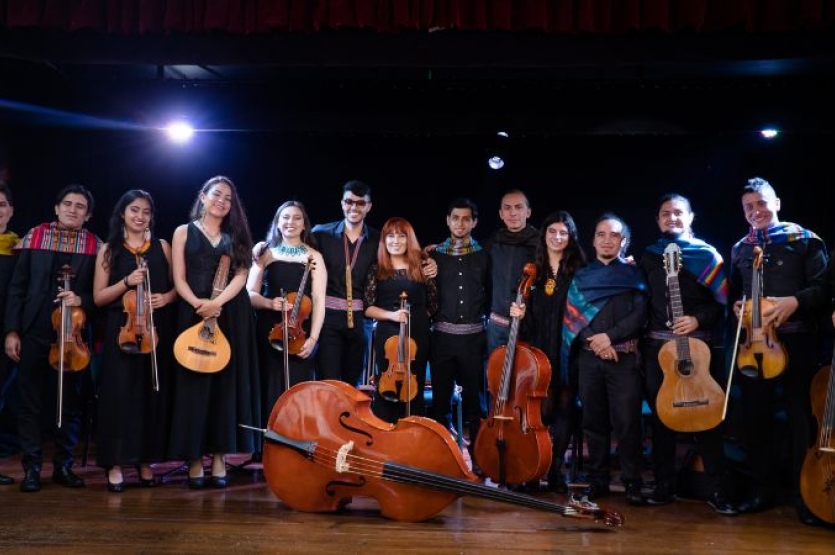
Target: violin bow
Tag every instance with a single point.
(408, 308)
(153, 331)
(61, 345)
(286, 350)
(733, 359)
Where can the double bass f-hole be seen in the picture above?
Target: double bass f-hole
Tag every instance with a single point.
(761, 356)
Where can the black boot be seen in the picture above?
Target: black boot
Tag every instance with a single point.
(6, 480)
(66, 477)
(31, 479)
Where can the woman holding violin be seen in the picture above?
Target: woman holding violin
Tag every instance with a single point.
(208, 407)
(34, 295)
(399, 270)
(287, 280)
(133, 283)
(793, 264)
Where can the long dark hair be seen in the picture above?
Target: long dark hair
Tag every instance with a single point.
(116, 230)
(574, 257)
(274, 235)
(234, 224)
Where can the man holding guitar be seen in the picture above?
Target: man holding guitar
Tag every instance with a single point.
(684, 304)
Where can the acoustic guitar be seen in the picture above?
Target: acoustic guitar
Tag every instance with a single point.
(203, 347)
(689, 400)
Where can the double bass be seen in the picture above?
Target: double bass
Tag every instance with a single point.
(689, 399)
(323, 446)
(203, 347)
(512, 445)
(69, 353)
(295, 335)
(398, 382)
(817, 476)
(761, 356)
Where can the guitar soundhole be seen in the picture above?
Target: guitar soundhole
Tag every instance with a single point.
(202, 352)
(685, 367)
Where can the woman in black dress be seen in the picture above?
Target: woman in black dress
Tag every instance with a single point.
(279, 265)
(208, 407)
(399, 269)
(132, 415)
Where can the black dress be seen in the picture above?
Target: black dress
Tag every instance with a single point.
(423, 299)
(278, 275)
(133, 419)
(208, 407)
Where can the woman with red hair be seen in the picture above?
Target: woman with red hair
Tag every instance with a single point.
(399, 269)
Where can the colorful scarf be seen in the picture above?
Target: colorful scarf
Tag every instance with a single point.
(779, 233)
(700, 260)
(8, 241)
(590, 290)
(458, 247)
(53, 237)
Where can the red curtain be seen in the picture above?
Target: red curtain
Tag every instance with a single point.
(131, 17)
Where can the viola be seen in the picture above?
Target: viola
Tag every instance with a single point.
(398, 382)
(689, 399)
(513, 446)
(324, 446)
(817, 476)
(761, 356)
(138, 335)
(300, 311)
(203, 347)
(69, 353)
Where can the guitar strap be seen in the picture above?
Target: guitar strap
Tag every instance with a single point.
(350, 262)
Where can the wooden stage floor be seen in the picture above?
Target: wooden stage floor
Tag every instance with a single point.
(248, 518)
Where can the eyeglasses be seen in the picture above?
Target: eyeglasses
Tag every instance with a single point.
(361, 203)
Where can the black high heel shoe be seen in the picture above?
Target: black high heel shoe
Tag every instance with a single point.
(114, 487)
(145, 482)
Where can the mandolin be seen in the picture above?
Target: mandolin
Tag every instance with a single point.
(689, 399)
(203, 347)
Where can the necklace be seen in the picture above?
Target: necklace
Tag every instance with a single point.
(214, 239)
(291, 250)
(551, 282)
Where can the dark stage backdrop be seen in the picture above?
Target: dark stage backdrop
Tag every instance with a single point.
(416, 177)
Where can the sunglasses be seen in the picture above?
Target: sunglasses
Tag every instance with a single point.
(361, 203)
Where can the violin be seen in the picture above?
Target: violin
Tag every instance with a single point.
(301, 306)
(817, 475)
(689, 399)
(323, 446)
(761, 356)
(138, 334)
(512, 445)
(398, 382)
(69, 353)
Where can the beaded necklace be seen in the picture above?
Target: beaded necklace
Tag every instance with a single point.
(291, 250)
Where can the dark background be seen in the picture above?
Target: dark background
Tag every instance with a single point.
(596, 122)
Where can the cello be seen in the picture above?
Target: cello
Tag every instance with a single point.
(323, 446)
(512, 445)
(817, 476)
(398, 383)
(689, 399)
(69, 353)
(761, 356)
(301, 306)
(203, 347)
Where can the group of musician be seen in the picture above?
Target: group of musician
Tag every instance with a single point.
(299, 306)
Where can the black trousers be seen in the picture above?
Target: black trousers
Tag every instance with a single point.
(38, 387)
(760, 402)
(341, 349)
(458, 358)
(709, 443)
(611, 396)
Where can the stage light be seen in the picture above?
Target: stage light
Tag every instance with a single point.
(179, 132)
(769, 133)
(495, 162)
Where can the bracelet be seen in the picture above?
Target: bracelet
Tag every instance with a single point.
(125, 281)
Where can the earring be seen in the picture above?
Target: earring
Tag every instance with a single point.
(124, 232)
(147, 234)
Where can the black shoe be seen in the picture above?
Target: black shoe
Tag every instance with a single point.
(596, 490)
(634, 495)
(196, 483)
(806, 516)
(145, 482)
(6, 480)
(117, 487)
(662, 495)
(31, 481)
(66, 477)
(718, 503)
(219, 482)
(756, 504)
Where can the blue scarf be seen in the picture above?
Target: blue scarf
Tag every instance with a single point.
(700, 260)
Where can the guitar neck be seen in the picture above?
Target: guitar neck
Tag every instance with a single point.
(677, 310)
